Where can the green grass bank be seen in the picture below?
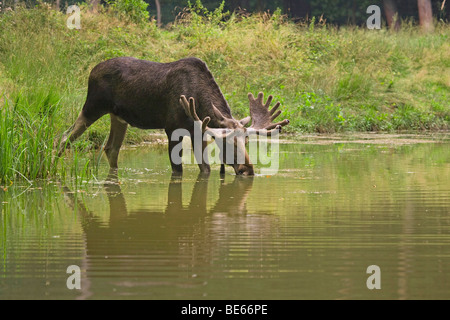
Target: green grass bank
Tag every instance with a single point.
(327, 79)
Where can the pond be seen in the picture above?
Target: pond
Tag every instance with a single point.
(338, 205)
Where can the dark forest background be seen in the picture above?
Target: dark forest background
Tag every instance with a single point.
(337, 12)
(334, 11)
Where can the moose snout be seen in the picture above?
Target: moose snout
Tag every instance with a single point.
(245, 170)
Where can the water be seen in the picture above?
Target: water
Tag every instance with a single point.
(337, 206)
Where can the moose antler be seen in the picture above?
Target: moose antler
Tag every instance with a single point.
(189, 108)
(262, 117)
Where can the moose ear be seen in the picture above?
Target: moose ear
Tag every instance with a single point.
(245, 121)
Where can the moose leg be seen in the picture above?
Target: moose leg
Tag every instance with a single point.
(76, 130)
(198, 153)
(175, 153)
(115, 140)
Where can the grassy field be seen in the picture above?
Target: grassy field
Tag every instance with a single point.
(327, 79)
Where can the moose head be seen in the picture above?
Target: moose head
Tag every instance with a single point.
(232, 136)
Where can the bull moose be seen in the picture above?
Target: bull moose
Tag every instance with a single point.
(169, 96)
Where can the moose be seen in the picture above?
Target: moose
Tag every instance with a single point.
(169, 96)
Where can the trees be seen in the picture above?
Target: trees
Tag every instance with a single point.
(425, 15)
(297, 8)
(158, 13)
(391, 12)
(339, 12)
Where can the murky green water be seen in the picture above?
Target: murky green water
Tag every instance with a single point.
(335, 208)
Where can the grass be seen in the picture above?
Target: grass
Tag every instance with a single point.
(327, 79)
(26, 141)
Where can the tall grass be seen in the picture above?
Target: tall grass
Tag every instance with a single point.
(327, 79)
(26, 141)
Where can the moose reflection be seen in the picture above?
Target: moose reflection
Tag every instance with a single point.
(138, 250)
